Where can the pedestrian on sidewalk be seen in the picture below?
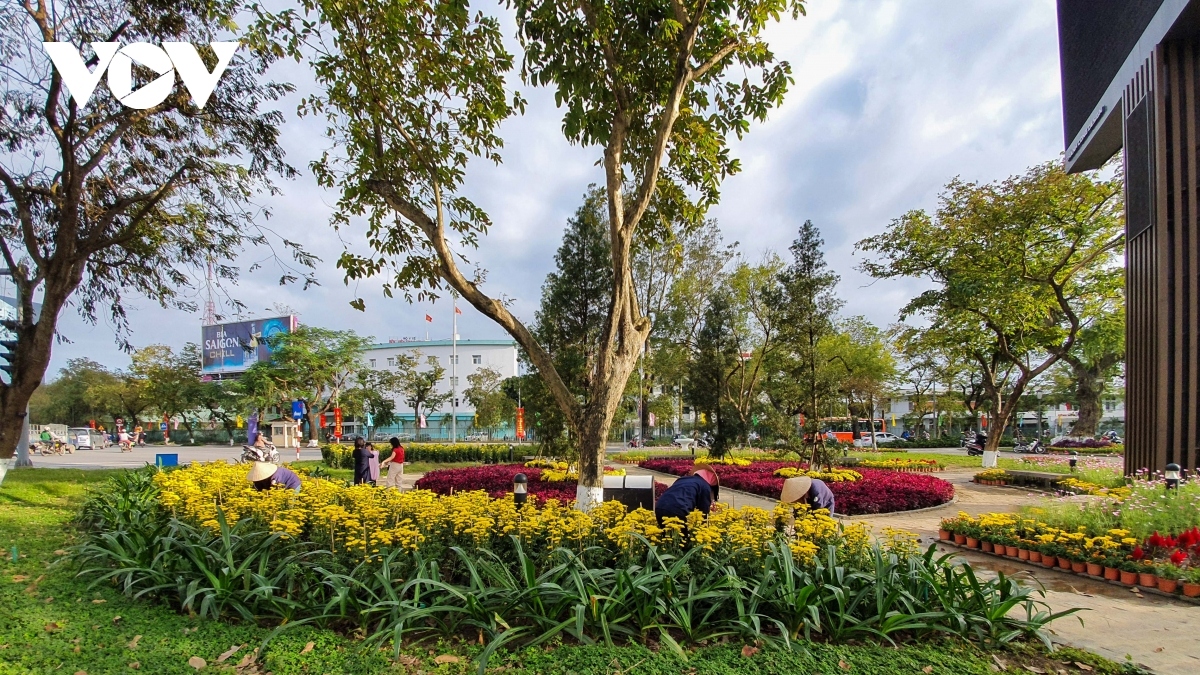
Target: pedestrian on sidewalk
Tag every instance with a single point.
(395, 464)
(363, 455)
(811, 491)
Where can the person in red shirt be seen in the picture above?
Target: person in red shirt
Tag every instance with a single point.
(395, 464)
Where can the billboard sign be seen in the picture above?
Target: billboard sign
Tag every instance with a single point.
(230, 348)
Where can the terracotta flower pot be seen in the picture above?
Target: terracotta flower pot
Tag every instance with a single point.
(1010, 551)
(1078, 567)
(944, 535)
(1048, 561)
(1112, 573)
(1191, 590)
(1022, 554)
(1095, 569)
(1149, 580)
(960, 539)
(1064, 563)
(1129, 578)
(972, 542)
(1168, 585)
(1035, 556)
(987, 547)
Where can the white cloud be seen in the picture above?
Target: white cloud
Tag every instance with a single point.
(891, 100)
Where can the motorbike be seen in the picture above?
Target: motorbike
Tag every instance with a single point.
(976, 446)
(1034, 448)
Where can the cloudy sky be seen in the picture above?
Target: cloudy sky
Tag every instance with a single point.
(891, 100)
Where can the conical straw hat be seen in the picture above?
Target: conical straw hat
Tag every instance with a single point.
(794, 489)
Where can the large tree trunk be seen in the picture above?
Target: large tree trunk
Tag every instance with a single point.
(1089, 388)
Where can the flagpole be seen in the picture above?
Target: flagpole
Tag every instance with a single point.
(454, 368)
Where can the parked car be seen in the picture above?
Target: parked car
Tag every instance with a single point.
(881, 438)
(85, 438)
(477, 437)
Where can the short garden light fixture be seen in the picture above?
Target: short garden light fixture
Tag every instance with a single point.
(520, 489)
(1074, 460)
(1172, 476)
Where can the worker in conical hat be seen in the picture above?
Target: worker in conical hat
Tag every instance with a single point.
(265, 474)
(696, 492)
(811, 491)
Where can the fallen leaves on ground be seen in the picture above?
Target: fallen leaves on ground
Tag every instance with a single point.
(197, 663)
(999, 664)
(1035, 669)
(927, 670)
(446, 658)
(60, 552)
(1082, 666)
(408, 660)
(308, 648)
(18, 578)
(52, 627)
(135, 665)
(843, 665)
(116, 619)
(134, 642)
(749, 651)
(98, 601)
(229, 652)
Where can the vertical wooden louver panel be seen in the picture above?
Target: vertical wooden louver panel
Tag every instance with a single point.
(1192, 266)
(1141, 205)
(1162, 273)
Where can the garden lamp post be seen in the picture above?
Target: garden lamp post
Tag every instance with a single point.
(510, 452)
(1074, 460)
(1172, 476)
(520, 489)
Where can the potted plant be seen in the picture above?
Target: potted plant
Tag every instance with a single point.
(1129, 575)
(1168, 576)
(1191, 582)
(1146, 576)
(987, 546)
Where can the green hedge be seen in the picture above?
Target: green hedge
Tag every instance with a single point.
(338, 456)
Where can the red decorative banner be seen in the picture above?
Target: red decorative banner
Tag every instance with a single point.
(520, 424)
(337, 422)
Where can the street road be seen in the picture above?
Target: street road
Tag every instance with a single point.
(113, 458)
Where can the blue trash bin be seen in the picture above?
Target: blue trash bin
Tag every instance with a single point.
(164, 459)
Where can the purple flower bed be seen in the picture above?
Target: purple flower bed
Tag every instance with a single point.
(497, 480)
(880, 490)
(1085, 443)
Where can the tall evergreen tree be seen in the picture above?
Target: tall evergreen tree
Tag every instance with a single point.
(571, 318)
(809, 308)
(714, 361)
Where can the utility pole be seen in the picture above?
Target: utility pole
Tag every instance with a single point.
(454, 369)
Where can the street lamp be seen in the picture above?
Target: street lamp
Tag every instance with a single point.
(520, 488)
(1172, 476)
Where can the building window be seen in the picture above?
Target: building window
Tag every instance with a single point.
(391, 360)
(477, 359)
(453, 359)
(372, 363)
(454, 382)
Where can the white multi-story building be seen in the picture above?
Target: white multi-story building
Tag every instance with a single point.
(1057, 418)
(472, 355)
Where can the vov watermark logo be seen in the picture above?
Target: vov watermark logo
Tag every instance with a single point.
(118, 61)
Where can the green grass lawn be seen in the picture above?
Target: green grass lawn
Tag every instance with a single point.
(52, 621)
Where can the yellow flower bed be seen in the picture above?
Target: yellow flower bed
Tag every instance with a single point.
(1083, 487)
(363, 520)
(565, 475)
(728, 460)
(833, 476)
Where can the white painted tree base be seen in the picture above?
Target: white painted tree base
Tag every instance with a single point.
(588, 498)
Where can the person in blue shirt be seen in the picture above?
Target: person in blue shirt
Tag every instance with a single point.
(265, 474)
(811, 491)
(696, 492)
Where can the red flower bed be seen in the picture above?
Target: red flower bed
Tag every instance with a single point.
(497, 480)
(880, 490)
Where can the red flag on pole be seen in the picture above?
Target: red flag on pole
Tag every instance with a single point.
(457, 310)
(429, 318)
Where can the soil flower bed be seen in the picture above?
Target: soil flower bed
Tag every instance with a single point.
(879, 490)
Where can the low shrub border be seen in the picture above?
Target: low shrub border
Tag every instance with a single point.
(337, 455)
